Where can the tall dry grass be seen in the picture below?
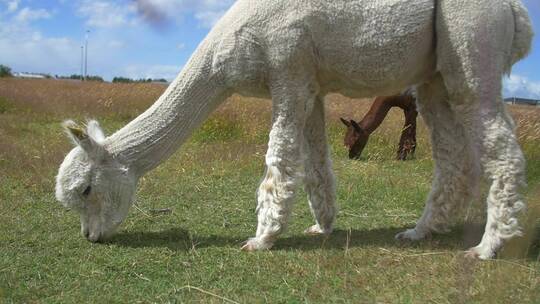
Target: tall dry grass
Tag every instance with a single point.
(64, 98)
(31, 112)
(55, 98)
(527, 119)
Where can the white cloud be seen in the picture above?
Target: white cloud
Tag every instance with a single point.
(26, 49)
(12, 5)
(109, 14)
(30, 51)
(116, 44)
(208, 19)
(106, 14)
(146, 71)
(207, 12)
(520, 86)
(27, 14)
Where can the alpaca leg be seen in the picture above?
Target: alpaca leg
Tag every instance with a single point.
(319, 178)
(492, 130)
(454, 176)
(292, 101)
(407, 141)
(472, 62)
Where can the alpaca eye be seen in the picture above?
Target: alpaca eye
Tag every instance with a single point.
(87, 191)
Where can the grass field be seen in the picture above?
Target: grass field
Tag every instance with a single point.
(192, 254)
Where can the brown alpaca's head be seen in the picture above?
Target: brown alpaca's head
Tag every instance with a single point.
(355, 138)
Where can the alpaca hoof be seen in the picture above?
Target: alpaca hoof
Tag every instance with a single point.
(410, 235)
(248, 247)
(317, 230)
(479, 253)
(255, 244)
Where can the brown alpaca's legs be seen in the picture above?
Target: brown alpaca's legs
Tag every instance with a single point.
(319, 178)
(407, 141)
(455, 176)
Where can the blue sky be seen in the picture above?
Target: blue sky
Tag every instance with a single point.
(46, 36)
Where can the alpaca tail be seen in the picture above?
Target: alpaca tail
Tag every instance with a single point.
(523, 32)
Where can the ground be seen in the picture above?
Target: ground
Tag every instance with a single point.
(190, 252)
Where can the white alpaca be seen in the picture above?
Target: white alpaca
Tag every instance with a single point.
(297, 51)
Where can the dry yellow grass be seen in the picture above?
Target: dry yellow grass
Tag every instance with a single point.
(64, 97)
(45, 103)
(125, 101)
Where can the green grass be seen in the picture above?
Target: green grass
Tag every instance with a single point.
(193, 253)
(4, 105)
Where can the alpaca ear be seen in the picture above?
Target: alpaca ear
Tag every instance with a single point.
(95, 132)
(89, 139)
(357, 127)
(345, 122)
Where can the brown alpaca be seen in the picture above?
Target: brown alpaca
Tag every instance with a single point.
(358, 133)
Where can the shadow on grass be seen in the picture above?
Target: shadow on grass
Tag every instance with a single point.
(462, 237)
(178, 239)
(175, 239)
(383, 237)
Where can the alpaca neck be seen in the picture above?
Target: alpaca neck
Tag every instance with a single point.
(153, 136)
(380, 108)
(376, 114)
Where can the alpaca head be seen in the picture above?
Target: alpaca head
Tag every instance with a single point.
(93, 183)
(355, 139)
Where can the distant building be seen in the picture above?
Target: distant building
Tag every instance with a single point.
(522, 101)
(28, 75)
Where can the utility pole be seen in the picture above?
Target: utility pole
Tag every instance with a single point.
(82, 62)
(86, 55)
